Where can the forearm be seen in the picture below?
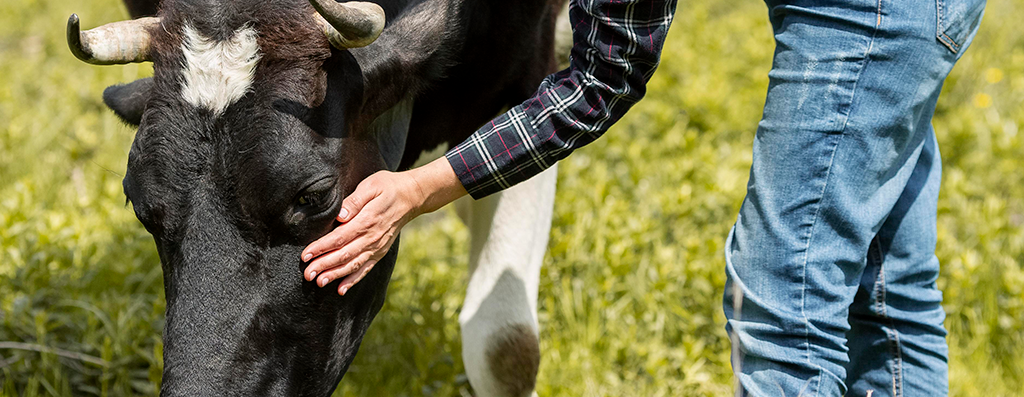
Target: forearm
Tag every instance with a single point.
(617, 48)
(437, 185)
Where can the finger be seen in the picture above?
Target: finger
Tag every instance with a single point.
(337, 238)
(341, 271)
(354, 278)
(366, 190)
(333, 259)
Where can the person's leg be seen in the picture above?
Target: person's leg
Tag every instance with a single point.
(897, 342)
(852, 87)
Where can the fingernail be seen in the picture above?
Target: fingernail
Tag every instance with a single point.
(323, 281)
(312, 275)
(343, 215)
(344, 290)
(307, 257)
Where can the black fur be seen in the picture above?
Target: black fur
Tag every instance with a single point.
(219, 194)
(141, 8)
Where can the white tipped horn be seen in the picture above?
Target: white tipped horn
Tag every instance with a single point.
(349, 25)
(112, 44)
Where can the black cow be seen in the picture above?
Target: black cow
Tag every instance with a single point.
(260, 117)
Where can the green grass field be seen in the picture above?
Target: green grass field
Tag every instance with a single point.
(630, 293)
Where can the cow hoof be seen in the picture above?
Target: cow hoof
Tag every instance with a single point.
(513, 355)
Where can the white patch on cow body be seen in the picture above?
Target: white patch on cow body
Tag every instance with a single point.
(218, 73)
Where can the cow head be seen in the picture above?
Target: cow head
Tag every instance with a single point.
(249, 137)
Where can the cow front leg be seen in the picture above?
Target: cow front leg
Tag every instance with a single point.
(509, 235)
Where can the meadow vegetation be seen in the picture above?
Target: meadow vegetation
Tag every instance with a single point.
(630, 298)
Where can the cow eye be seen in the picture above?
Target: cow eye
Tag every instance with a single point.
(317, 196)
(312, 199)
(315, 204)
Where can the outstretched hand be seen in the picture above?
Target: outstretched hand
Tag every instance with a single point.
(371, 218)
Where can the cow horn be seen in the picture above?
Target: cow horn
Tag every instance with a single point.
(349, 25)
(112, 44)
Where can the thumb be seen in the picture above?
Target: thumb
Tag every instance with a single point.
(366, 190)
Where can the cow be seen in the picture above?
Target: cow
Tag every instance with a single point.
(261, 116)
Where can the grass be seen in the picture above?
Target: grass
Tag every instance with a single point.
(630, 301)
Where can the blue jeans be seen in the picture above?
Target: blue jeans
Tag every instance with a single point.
(831, 264)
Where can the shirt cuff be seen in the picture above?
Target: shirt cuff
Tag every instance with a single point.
(497, 156)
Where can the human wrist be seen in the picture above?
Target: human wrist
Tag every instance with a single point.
(436, 186)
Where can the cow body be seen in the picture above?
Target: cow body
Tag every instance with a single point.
(252, 131)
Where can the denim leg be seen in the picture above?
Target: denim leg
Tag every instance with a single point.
(846, 123)
(897, 342)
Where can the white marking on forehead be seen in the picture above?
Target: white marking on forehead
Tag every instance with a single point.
(218, 73)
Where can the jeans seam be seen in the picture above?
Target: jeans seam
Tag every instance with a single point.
(891, 334)
(864, 63)
(803, 276)
(821, 199)
(940, 28)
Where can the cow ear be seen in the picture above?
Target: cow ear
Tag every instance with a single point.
(129, 101)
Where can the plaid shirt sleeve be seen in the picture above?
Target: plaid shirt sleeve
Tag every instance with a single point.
(617, 45)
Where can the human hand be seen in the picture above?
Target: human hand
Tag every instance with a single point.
(371, 218)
